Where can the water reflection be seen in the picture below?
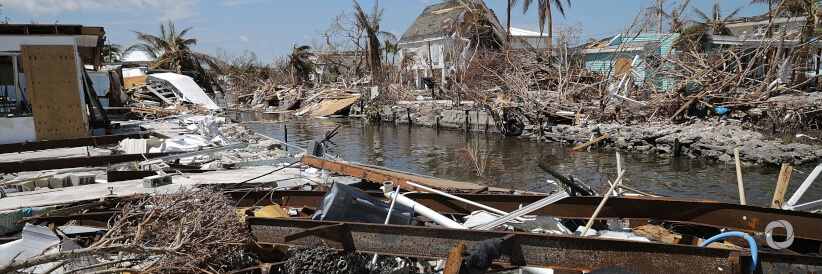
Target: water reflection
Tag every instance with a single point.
(512, 162)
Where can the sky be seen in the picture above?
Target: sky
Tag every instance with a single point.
(270, 28)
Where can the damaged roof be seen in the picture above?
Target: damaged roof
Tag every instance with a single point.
(434, 22)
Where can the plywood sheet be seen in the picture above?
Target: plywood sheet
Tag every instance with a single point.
(623, 66)
(53, 90)
(132, 82)
(332, 106)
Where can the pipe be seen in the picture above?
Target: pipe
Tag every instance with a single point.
(423, 210)
(804, 187)
(751, 241)
(387, 186)
(494, 210)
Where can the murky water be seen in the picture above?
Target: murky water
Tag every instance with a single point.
(512, 162)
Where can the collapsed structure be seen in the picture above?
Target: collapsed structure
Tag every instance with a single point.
(186, 189)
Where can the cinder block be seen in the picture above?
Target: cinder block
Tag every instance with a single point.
(153, 165)
(82, 179)
(156, 181)
(59, 181)
(27, 186)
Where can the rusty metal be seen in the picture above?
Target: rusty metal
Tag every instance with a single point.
(699, 212)
(74, 142)
(58, 163)
(521, 249)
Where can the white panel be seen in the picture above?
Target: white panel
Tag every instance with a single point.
(13, 42)
(17, 130)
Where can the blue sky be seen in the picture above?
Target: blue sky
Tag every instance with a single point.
(270, 27)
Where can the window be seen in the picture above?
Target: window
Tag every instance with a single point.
(776, 28)
(759, 31)
(12, 84)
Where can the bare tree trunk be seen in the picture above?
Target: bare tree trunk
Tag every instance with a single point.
(508, 24)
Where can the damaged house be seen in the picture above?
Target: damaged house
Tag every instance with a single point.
(329, 65)
(45, 93)
(445, 33)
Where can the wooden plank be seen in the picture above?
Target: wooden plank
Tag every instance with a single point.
(75, 142)
(739, 178)
(159, 95)
(381, 176)
(781, 186)
(53, 90)
(134, 81)
(594, 141)
(663, 235)
(454, 262)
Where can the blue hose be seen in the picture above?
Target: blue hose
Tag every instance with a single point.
(754, 249)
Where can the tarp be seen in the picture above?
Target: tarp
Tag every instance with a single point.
(186, 87)
(350, 204)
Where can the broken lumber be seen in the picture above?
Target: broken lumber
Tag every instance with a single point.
(594, 141)
(781, 186)
(739, 178)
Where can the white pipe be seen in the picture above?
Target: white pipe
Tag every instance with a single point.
(805, 185)
(619, 167)
(497, 211)
(424, 211)
(386, 187)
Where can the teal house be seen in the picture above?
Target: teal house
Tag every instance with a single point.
(639, 55)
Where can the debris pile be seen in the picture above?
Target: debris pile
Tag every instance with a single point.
(164, 94)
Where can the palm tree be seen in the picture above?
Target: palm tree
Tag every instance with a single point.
(112, 52)
(677, 23)
(300, 63)
(172, 51)
(370, 24)
(545, 16)
(811, 10)
(390, 48)
(695, 34)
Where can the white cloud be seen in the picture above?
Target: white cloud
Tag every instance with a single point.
(244, 39)
(306, 36)
(425, 1)
(231, 3)
(177, 9)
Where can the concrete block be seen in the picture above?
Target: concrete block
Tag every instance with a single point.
(79, 179)
(154, 165)
(27, 186)
(41, 183)
(156, 181)
(59, 181)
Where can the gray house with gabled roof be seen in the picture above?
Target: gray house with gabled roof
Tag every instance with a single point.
(435, 42)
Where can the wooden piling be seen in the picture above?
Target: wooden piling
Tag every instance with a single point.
(739, 178)
(781, 186)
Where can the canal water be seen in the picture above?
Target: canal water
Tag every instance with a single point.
(512, 162)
